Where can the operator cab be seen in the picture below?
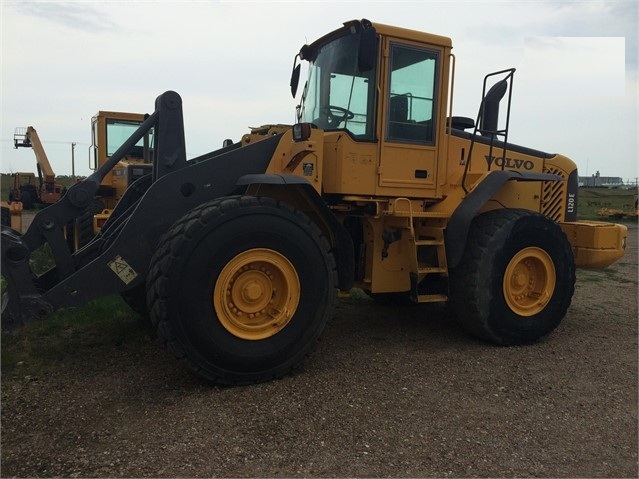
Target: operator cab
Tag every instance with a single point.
(386, 87)
(341, 90)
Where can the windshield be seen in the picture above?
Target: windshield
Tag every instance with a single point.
(118, 131)
(337, 94)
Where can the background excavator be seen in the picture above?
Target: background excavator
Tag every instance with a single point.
(28, 190)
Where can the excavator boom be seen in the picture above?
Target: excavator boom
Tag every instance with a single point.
(31, 139)
(48, 192)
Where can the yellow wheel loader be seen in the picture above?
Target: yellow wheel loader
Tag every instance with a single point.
(238, 255)
(109, 129)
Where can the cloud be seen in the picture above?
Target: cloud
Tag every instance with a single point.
(574, 66)
(231, 61)
(75, 15)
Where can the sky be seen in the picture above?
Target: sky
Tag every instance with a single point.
(575, 90)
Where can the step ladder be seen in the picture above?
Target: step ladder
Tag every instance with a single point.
(428, 261)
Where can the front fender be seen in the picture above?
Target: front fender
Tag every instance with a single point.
(298, 192)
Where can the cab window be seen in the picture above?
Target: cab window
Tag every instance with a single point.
(411, 97)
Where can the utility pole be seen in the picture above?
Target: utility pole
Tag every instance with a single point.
(73, 161)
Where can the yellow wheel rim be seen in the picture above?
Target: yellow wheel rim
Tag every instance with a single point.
(529, 281)
(256, 294)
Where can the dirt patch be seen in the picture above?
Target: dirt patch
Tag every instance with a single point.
(389, 392)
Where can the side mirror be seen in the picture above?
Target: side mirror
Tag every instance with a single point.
(295, 76)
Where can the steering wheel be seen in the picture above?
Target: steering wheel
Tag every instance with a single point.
(335, 119)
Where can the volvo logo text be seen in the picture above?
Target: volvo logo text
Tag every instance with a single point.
(515, 163)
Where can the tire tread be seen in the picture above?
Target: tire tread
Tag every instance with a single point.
(172, 245)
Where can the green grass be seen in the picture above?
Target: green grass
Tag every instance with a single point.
(72, 335)
(605, 275)
(591, 200)
(69, 335)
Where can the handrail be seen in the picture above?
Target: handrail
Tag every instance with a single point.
(493, 133)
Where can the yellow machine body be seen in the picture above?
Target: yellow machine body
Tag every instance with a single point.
(413, 187)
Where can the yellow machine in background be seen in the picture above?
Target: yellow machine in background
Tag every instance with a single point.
(12, 214)
(25, 187)
(109, 129)
(26, 190)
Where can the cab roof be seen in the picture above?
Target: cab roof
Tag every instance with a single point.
(307, 51)
(407, 34)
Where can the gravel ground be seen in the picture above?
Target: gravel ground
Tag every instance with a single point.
(388, 393)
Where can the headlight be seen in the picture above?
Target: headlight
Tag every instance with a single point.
(301, 131)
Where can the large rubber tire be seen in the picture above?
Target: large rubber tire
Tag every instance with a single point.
(241, 288)
(516, 279)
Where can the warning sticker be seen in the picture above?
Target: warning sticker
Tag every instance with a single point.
(307, 168)
(122, 269)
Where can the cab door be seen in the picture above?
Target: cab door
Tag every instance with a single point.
(408, 147)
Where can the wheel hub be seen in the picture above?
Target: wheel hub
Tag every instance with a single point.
(252, 290)
(529, 281)
(256, 294)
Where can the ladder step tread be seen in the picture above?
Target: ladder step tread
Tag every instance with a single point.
(428, 242)
(431, 298)
(420, 214)
(424, 269)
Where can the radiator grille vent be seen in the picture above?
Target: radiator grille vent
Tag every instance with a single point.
(554, 195)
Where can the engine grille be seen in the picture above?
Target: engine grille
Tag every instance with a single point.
(553, 199)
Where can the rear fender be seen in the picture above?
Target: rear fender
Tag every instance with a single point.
(459, 224)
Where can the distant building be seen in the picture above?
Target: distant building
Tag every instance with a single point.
(598, 180)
